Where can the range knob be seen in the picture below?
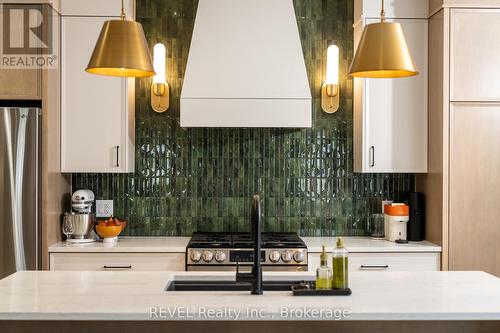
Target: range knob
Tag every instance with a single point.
(286, 256)
(298, 256)
(274, 256)
(195, 255)
(208, 256)
(220, 256)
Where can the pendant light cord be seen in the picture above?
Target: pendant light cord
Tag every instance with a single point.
(382, 13)
(122, 15)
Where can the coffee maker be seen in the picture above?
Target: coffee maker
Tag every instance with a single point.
(78, 225)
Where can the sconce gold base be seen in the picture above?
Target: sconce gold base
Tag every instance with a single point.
(330, 97)
(160, 97)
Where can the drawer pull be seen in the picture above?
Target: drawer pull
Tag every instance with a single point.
(117, 267)
(374, 266)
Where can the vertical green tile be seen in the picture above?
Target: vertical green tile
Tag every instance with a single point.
(203, 179)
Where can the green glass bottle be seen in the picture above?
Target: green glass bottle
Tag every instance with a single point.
(323, 273)
(340, 266)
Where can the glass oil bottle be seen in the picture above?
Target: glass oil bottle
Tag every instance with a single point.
(323, 273)
(340, 266)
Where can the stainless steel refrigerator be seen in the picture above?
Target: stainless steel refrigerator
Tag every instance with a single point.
(19, 189)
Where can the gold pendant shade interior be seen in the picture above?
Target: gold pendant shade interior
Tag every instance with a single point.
(121, 50)
(382, 52)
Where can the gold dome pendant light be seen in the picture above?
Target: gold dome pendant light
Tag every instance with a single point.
(382, 52)
(121, 50)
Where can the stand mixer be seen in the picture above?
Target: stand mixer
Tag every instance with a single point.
(78, 225)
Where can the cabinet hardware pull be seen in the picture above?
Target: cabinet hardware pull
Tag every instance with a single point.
(374, 266)
(372, 156)
(117, 267)
(117, 156)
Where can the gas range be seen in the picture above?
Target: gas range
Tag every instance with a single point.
(223, 251)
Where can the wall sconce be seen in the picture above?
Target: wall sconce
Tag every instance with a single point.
(160, 94)
(330, 90)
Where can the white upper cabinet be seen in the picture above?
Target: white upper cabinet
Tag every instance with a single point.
(393, 8)
(470, 79)
(390, 115)
(96, 7)
(97, 112)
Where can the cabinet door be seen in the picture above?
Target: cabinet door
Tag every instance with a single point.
(394, 261)
(20, 84)
(117, 261)
(474, 225)
(96, 7)
(393, 113)
(94, 111)
(23, 83)
(474, 60)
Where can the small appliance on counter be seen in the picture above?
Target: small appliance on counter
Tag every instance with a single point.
(212, 251)
(78, 224)
(416, 225)
(395, 222)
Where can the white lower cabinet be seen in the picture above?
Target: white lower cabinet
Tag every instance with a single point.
(393, 261)
(117, 261)
(100, 261)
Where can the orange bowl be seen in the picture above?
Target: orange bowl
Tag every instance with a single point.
(108, 231)
(123, 224)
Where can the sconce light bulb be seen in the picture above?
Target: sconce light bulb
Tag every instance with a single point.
(159, 63)
(332, 65)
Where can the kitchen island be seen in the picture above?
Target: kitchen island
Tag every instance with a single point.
(466, 299)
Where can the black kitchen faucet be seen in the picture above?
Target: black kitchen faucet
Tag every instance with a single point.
(255, 277)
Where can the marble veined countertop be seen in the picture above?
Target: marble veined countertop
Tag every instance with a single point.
(85, 295)
(178, 245)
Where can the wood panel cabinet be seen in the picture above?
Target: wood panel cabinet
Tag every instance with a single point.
(21, 84)
(97, 112)
(475, 187)
(18, 83)
(462, 187)
(390, 115)
(474, 50)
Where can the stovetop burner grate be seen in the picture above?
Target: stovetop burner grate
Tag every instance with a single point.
(244, 240)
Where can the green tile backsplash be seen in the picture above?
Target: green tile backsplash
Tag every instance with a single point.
(203, 179)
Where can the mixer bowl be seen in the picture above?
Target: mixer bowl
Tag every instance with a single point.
(83, 223)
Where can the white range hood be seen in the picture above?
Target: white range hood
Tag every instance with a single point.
(245, 67)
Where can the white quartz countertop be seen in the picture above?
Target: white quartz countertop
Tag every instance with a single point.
(135, 295)
(127, 244)
(367, 244)
(178, 245)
